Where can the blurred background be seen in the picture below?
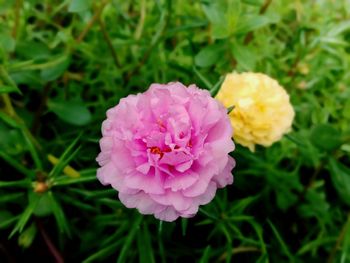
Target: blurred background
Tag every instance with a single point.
(64, 63)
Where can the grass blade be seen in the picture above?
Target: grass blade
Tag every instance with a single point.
(134, 228)
(65, 158)
(59, 215)
(282, 243)
(24, 218)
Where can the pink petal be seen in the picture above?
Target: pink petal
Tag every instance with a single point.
(208, 195)
(142, 202)
(201, 185)
(184, 166)
(169, 214)
(143, 168)
(225, 177)
(148, 183)
(175, 199)
(181, 181)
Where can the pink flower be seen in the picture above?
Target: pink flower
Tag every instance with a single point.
(166, 150)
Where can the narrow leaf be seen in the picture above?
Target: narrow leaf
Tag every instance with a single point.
(131, 235)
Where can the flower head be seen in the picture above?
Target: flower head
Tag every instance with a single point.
(262, 111)
(166, 150)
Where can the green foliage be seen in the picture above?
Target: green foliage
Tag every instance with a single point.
(64, 63)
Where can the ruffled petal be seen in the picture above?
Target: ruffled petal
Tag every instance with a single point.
(142, 202)
(175, 199)
(181, 181)
(225, 177)
(169, 214)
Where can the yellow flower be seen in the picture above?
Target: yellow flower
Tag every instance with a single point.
(262, 111)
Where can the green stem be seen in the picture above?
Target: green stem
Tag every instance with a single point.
(92, 21)
(18, 5)
(339, 240)
(109, 42)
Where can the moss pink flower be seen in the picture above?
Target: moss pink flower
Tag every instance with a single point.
(166, 150)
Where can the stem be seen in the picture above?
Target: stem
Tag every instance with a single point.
(92, 21)
(109, 42)
(8, 106)
(162, 26)
(18, 5)
(141, 23)
(250, 35)
(339, 240)
(53, 250)
(264, 7)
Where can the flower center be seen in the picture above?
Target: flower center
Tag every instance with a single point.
(156, 150)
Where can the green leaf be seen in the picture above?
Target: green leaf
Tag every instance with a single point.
(205, 81)
(29, 139)
(314, 244)
(206, 255)
(214, 90)
(315, 205)
(259, 231)
(346, 110)
(281, 242)
(81, 204)
(68, 180)
(19, 183)
(223, 14)
(345, 251)
(77, 6)
(7, 219)
(55, 71)
(340, 176)
(13, 197)
(43, 207)
(5, 5)
(244, 56)
(27, 237)
(144, 245)
(31, 78)
(311, 155)
(38, 50)
(65, 158)
(7, 89)
(25, 216)
(5, 216)
(103, 252)
(10, 121)
(240, 205)
(209, 55)
(6, 83)
(253, 22)
(325, 137)
(133, 230)
(61, 220)
(253, 2)
(7, 42)
(72, 112)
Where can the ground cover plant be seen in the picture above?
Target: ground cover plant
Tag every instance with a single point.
(64, 63)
